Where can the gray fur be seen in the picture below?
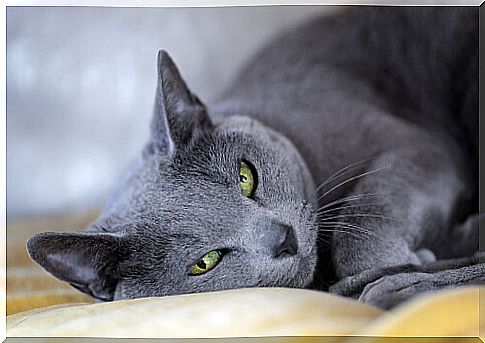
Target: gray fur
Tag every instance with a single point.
(388, 96)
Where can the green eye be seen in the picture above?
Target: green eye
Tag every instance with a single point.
(247, 179)
(206, 263)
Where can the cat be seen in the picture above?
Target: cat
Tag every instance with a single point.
(344, 157)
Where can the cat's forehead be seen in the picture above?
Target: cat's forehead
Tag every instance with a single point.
(229, 141)
(262, 138)
(242, 125)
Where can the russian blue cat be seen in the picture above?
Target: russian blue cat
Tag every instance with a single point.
(343, 157)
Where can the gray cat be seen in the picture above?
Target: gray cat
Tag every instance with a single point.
(344, 155)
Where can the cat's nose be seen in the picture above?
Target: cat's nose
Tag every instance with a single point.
(281, 240)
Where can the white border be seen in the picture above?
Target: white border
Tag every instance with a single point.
(225, 3)
(137, 3)
(3, 176)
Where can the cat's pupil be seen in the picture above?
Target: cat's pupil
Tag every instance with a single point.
(201, 264)
(243, 178)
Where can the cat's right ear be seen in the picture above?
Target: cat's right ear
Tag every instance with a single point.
(178, 115)
(88, 261)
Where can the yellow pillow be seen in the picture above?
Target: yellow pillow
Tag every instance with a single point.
(236, 313)
(257, 312)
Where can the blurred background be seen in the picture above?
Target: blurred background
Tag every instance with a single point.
(81, 86)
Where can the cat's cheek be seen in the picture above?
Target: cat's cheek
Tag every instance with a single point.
(306, 270)
(121, 292)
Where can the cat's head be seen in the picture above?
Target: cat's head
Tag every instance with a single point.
(208, 206)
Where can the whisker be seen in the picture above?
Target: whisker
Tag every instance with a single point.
(335, 229)
(350, 198)
(350, 206)
(356, 228)
(350, 215)
(351, 179)
(349, 226)
(341, 172)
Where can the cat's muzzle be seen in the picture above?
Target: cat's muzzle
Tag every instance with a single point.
(283, 241)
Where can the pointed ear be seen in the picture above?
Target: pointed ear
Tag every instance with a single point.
(178, 114)
(88, 261)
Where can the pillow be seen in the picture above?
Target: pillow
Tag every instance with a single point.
(236, 313)
(256, 312)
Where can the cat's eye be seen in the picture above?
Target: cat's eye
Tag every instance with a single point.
(247, 179)
(206, 263)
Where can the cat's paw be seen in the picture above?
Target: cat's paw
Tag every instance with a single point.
(352, 286)
(391, 290)
(388, 287)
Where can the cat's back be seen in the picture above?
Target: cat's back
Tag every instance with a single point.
(418, 59)
(353, 84)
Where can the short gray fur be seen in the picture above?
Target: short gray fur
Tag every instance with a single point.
(388, 96)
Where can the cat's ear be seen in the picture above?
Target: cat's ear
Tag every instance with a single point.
(88, 261)
(178, 114)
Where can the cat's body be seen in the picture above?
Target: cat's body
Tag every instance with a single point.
(367, 71)
(387, 96)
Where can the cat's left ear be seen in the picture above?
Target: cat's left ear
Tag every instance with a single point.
(88, 261)
(179, 114)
